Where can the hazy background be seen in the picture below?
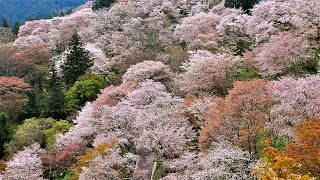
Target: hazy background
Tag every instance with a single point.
(22, 10)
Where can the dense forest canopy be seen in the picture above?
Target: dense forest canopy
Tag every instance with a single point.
(163, 90)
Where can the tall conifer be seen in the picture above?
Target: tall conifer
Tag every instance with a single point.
(77, 63)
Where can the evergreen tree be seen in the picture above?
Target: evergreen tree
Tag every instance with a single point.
(16, 27)
(246, 5)
(77, 63)
(98, 4)
(5, 134)
(5, 23)
(61, 14)
(53, 101)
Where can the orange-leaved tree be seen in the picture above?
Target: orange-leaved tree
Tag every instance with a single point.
(275, 165)
(241, 116)
(306, 151)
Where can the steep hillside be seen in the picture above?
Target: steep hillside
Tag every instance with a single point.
(164, 90)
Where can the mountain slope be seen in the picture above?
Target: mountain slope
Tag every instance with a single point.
(21, 10)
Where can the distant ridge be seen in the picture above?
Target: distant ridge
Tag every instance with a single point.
(22, 10)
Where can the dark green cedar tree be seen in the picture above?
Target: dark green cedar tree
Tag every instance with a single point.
(246, 5)
(16, 28)
(77, 63)
(5, 23)
(99, 4)
(54, 100)
(5, 134)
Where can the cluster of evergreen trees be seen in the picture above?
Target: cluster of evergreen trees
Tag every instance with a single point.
(98, 4)
(246, 5)
(15, 28)
(63, 94)
(76, 65)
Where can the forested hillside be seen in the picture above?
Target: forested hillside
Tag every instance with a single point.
(163, 89)
(22, 10)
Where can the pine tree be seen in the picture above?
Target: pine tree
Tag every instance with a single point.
(16, 27)
(246, 5)
(56, 95)
(5, 23)
(77, 63)
(98, 4)
(53, 102)
(5, 134)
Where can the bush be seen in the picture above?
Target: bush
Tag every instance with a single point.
(245, 73)
(85, 89)
(59, 127)
(30, 132)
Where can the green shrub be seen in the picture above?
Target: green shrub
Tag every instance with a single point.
(30, 132)
(245, 73)
(85, 89)
(59, 127)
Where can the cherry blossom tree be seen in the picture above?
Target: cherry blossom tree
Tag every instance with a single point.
(198, 109)
(141, 39)
(36, 32)
(232, 28)
(264, 20)
(25, 165)
(81, 132)
(146, 101)
(74, 23)
(55, 31)
(205, 72)
(148, 117)
(305, 15)
(109, 21)
(282, 51)
(182, 167)
(111, 160)
(223, 161)
(191, 27)
(110, 96)
(297, 100)
(155, 70)
(232, 23)
(101, 62)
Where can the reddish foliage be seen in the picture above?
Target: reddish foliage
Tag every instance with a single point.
(110, 96)
(12, 84)
(56, 161)
(11, 98)
(212, 125)
(242, 115)
(32, 57)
